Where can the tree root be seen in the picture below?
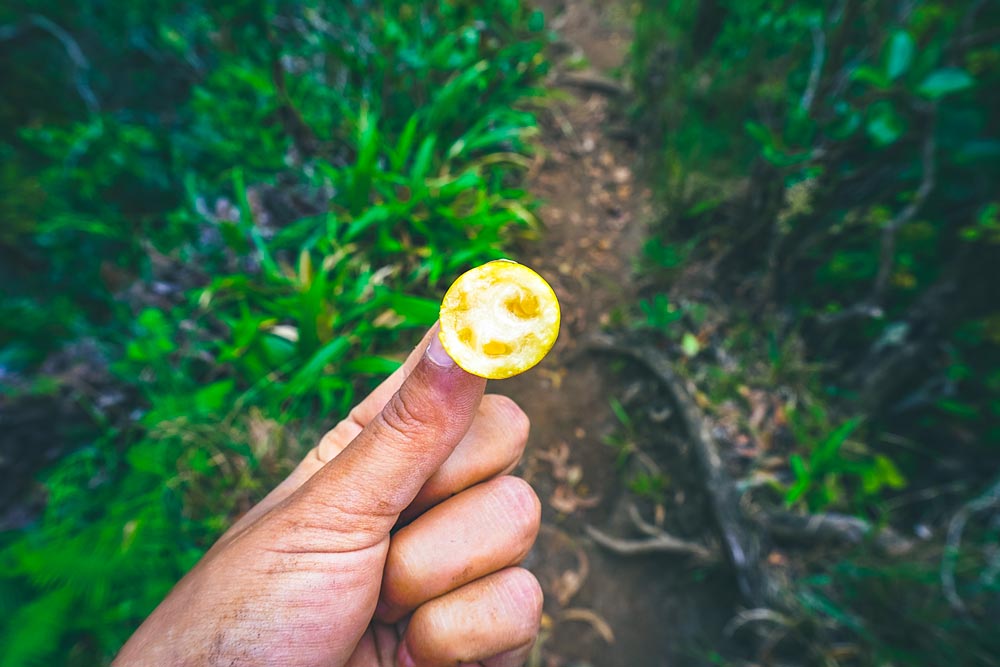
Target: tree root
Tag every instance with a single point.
(657, 540)
(740, 533)
(834, 528)
(593, 82)
(741, 543)
(989, 500)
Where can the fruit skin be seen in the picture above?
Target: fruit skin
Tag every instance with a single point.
(499, 319)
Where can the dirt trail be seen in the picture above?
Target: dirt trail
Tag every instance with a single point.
(601, 609)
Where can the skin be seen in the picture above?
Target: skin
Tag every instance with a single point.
(394, 543)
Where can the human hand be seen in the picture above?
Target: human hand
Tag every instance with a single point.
(316, 573)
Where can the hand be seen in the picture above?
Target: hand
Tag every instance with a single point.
(316, 575)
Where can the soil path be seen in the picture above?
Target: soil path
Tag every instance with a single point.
(601, 609)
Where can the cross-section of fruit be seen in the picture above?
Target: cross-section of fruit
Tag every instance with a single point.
(499, 319)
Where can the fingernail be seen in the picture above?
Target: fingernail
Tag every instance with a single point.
(403, 657)
(437, 354)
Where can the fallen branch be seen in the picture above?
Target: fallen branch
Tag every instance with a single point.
(592, 81)
(741, 543)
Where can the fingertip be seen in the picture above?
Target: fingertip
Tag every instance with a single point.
(486, 618)
(524, 595)
(439, 372)
(436, 353)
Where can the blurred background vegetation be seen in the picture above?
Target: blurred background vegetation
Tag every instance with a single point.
(828, 171)
(221, 222)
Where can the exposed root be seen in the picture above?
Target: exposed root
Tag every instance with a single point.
(741, 543)
(663, 543)
(657, 540)
(834, 528)
(990, 499)
(592, 81)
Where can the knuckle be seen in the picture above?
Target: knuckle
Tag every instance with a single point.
(524, 596)
(520, 504)
(336, 440)
(407, 415)
(515, 421)
(395, 591)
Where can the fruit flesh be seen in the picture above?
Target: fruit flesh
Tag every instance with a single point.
(499, 319)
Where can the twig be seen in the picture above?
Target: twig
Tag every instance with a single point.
(889, 232)
(872, 307)
(759, 615)
(741, 543)
(816, 70)
(988, 500)
(81, 66)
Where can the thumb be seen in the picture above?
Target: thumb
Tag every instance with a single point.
(377, 476)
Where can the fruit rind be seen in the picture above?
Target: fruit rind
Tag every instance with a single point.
(499, 319)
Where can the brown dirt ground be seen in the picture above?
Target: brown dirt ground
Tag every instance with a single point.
(601, 609)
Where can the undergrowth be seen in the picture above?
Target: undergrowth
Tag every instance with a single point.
(827, 172)
(249, 209)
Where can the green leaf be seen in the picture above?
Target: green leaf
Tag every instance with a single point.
(958, 408)
(31, 628)
(870, 75)
(373, 366)
(945, 81)
(363, 170)
(212, 398)
(884, 125)
(890, 474)
(415, 310)
(900, 54)
(373, 216)
(536, 22)
(305, 379)
(620, 413)
(690, 345)
(760, 133)
(828, 450)
(802, 480)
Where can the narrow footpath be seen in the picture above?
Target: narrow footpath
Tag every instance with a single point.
(601, 609)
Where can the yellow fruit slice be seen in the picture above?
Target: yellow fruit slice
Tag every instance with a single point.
(499, 319)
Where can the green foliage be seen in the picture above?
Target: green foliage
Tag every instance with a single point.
(257, 212)
(833, 166)
(658, 313)
(835, 469)
(870, 140)
(641, 474)
(868, 597)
